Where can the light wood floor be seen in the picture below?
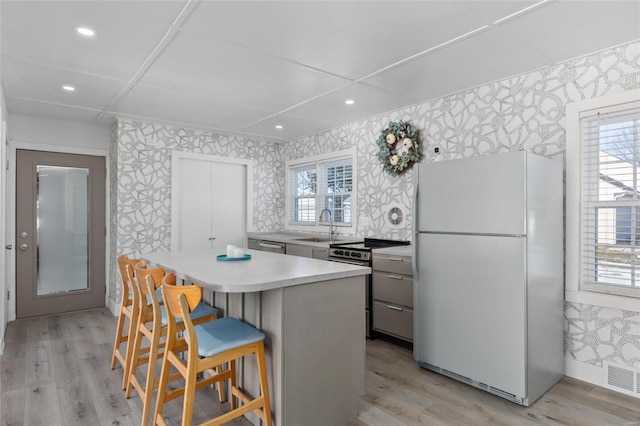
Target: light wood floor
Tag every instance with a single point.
(55, 371)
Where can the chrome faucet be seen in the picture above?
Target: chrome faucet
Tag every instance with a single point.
(332, 232)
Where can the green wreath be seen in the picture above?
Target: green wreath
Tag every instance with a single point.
(399, 147)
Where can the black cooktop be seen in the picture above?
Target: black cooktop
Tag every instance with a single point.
(371, 243)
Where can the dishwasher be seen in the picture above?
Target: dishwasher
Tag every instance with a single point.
(272, 246)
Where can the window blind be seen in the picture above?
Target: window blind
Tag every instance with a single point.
(337, 177)
(610, 205)
(303, 188)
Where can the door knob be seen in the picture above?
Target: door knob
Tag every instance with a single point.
(24, 246)
(212, 238)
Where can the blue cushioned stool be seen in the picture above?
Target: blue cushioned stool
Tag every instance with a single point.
(205, 346)
(152, 325)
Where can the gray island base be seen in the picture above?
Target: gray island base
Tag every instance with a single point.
(311, 313)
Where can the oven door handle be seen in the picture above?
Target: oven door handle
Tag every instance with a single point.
(350, 262)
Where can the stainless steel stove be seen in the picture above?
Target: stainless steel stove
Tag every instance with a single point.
(359, 253)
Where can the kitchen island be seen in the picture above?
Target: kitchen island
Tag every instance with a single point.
(309, 310)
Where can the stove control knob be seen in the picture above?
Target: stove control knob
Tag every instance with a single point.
(358, 254)
(338, 252)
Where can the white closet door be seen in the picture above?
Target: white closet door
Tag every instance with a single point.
(210, 203)
(194, 200)
(229, 210)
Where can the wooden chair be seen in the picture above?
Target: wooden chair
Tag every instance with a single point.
(205, 346)
(152, 325)
(126, 312)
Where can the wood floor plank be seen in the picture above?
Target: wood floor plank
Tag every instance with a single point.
(15, 341)
(456, 395)
(12, 407)
(38, 357)
(370, 414)
(41, 406)
(64, 357)
(625, 406)
(76, 405)
(13, 375)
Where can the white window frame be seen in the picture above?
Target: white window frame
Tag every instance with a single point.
(316, 225)
(576, 291)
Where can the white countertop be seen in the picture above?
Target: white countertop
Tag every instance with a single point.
(264, 271)
(395, 251)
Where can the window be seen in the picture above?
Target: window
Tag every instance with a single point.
(321, 183)
(609, 199)
(339, 184)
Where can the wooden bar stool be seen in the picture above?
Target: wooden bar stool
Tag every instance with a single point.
(205, 346)
(152, 325)
(126, 312)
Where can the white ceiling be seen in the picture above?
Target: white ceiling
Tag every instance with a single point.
(241, 67)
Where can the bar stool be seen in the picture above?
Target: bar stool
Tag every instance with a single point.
(152, 325)
(126, 312)
(205, 346)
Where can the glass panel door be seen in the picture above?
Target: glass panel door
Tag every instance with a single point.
(60, 232)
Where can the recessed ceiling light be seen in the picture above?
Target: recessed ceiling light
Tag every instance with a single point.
(87, 32)
(69, 88)
(349, 102)
(279, 126)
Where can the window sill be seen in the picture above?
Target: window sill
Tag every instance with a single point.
(612, 301)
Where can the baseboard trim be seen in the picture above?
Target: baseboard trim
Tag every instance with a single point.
(583, 371)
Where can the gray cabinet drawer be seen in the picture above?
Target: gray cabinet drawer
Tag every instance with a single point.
(299, 250)
(321, 253)
(394, 320)
(393, 288)
(394, 264)
(253, 244)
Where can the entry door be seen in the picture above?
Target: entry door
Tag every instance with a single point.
(210, 204)
(60, 235)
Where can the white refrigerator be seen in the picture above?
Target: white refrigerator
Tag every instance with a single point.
(488, 278)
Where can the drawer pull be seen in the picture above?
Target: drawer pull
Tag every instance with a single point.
(395, 277)
(271, 246)
(394, 259)
(395, 308)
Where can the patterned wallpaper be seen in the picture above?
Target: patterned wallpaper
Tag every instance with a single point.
(521, 112)
(594, 334)
(141, 182)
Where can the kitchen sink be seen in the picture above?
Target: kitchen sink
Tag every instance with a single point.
(317, 240)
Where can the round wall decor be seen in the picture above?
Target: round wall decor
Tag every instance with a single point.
(399, 147)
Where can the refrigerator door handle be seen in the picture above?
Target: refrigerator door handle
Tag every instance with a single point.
(414, 224)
